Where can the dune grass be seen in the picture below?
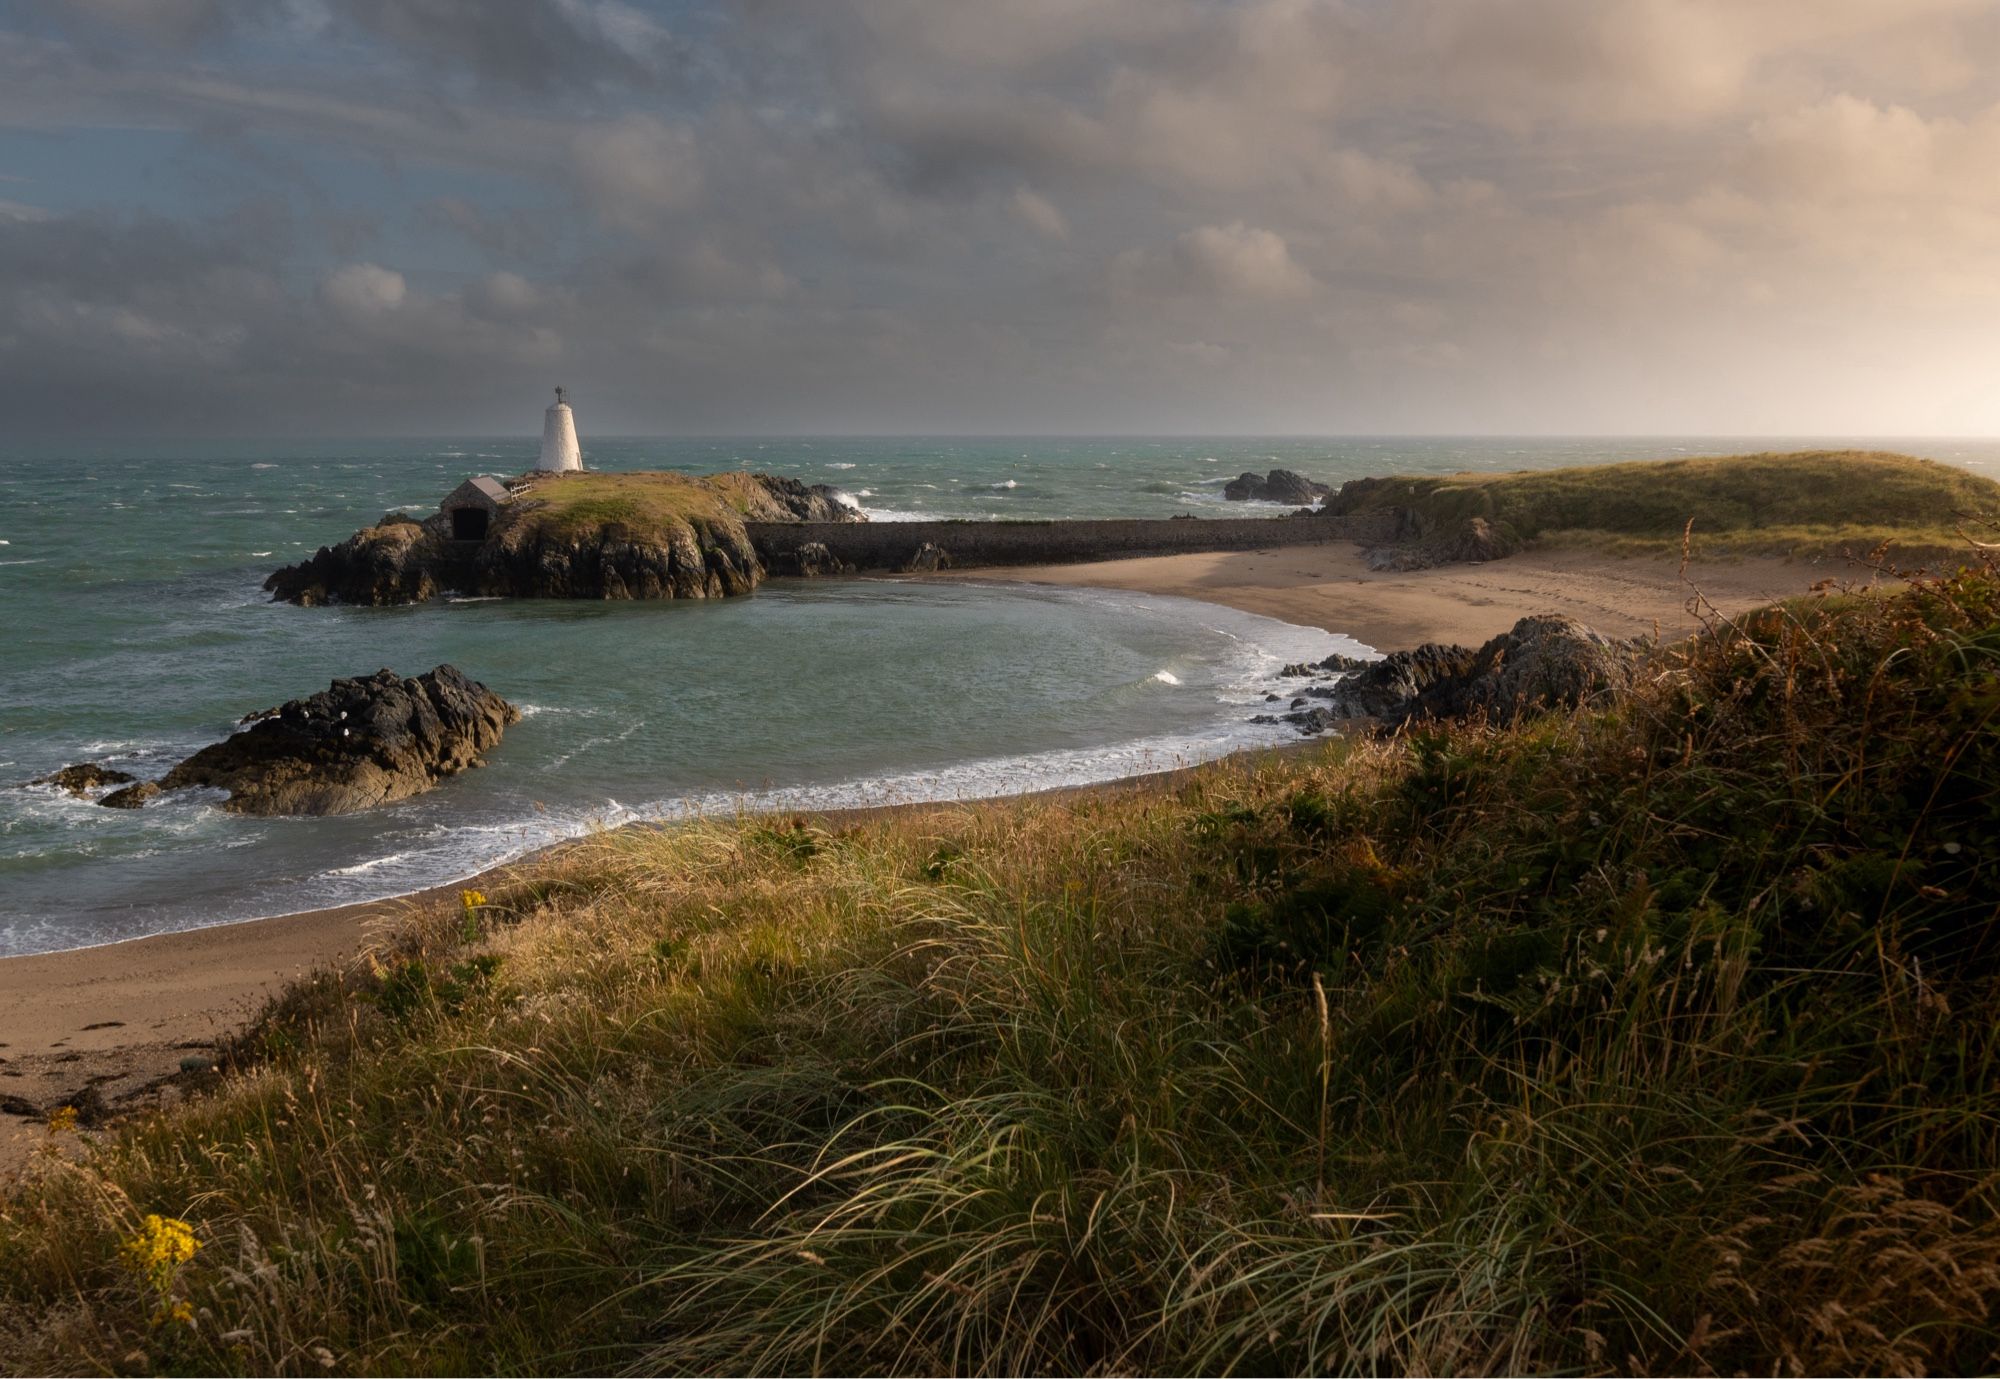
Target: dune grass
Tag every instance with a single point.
(1657, 1038)
(1807, 503)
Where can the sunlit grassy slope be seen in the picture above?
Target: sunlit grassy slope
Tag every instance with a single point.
(1808, 502)
(1661, 1038)
(647, 502)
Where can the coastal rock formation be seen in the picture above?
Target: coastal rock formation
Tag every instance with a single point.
(360, 742)
(1279, 486)
(132, 796)
(1542, 663)
(803, 502)
(1473, 542)
(927, 559)
(81, 779)
(810, 561)
(603, 536)
(395, 561)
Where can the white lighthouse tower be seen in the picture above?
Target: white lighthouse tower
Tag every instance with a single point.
(560, 452)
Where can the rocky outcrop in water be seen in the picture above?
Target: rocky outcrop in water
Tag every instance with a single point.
(82, 779)
(358, 743)
(1541, 663)
(1279, 486)
(589, 536)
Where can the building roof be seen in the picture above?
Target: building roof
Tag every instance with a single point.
(485, 485)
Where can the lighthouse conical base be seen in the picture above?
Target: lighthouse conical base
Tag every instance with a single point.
(560, 452)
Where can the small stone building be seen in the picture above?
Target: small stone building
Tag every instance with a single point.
(471, 507)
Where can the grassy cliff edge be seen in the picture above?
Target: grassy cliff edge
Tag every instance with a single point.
(1805, 503)
(1656, 1038)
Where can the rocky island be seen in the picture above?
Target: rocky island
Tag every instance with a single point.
(567, 535)
(359, 742)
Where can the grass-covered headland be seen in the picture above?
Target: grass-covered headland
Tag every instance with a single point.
(1805, 503)
(1663, 1037)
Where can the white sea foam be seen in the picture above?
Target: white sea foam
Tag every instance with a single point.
(261, 465)
(1166, 677)
(372, 864)
(838, 464)
(1004, 483)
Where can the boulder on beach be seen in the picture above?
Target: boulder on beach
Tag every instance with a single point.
(1542, 663)
(357, 743)
(810, 560)
(1472, 542)
(927, 559)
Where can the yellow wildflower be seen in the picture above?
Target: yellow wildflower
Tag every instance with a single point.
(61, 1119)
(156, 1254)
(472, 900)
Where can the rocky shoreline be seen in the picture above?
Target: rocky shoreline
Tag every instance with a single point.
(1543, 663)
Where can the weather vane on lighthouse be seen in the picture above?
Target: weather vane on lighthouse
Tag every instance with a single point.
(560, 452)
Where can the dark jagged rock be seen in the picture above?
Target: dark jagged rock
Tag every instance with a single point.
(1384, 689)
(1546, 662)
(360, 742)
(81, 779)
(927, 559)
(396, 562)
(1279, 486)
(810, 561)
(804, 502)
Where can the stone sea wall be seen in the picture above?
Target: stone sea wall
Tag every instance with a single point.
(890, 545)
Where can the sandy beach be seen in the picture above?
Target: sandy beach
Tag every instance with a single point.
(1331, 587)
(120, 1019)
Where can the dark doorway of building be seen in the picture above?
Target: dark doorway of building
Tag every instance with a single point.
(468, 524)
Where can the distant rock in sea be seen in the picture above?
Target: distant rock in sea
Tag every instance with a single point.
(358, 743)
(1279, 486)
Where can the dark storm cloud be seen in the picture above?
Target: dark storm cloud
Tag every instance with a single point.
(1039, 214)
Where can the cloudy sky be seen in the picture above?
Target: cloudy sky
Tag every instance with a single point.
(1222, 216)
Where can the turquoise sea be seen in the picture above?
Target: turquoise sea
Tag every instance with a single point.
(133, 630)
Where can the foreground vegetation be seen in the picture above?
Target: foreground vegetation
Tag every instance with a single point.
(1663, 1037)
(1808, 503)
